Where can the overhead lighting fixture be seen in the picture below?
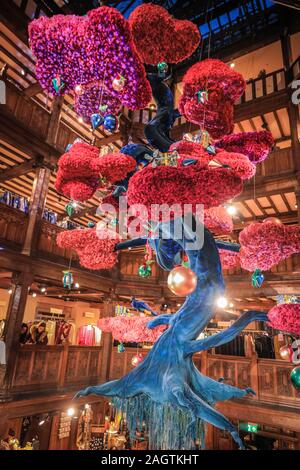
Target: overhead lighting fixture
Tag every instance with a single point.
(10, 291)
(76, 285)
(231, 210)
(33, 294)
(70, 411)
(87, 406)
(232, 65)
(43, 289)
(80, 120)
(231, 305)
(23, 72)
(42, 422)
(222, 302)
(178, 305)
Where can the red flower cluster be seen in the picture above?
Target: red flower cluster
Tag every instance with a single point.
(81, 171)
(130, 329)
(187, 149)
(218, 220)
(229, 259)
(265, 244)
(285, 317)
(255, 145)
(83, 50)
(159, 37)
(93, 252)
(224, 87)
(193, 184)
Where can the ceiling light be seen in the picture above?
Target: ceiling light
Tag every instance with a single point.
(34, 294)
(231, 305)
(70, 411)
(231, 210)
(178, 305)
(80, 119)
(43, 289)
(42, 422)
(232, 65)
(222, 302)
(76, 285)
(23, 72)
(10, 291)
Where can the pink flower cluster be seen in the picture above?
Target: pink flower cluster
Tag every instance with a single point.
(193, 184)
(224, 87)
(80, 170)
(94, 253)
(159, 37)
(218, 220)
(265, 244)
(255, 145)
(83, 50)
(229, 259)
(285, 317)
(130, 329)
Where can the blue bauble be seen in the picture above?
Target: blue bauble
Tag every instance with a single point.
(110, 123)
(96, 120)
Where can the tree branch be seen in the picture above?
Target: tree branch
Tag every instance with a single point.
(227, 335)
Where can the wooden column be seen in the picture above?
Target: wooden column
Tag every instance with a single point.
(54, 121)
(37, 204)
(21, 282)
(107, 344)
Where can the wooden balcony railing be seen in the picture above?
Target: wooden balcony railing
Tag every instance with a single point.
(269, 378)
(55, 368)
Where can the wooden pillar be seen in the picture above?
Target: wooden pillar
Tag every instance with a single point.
(37, 204)
(107, 344)
(54, 121)
(21, 282)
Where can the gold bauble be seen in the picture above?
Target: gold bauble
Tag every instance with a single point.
(275, 220)
(182, 281)
(284, 352)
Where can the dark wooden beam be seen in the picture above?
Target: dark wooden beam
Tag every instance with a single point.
(33, 90)
(36, 209)
(21, 283)
(21, 169)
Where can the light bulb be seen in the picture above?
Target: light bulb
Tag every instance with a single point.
(70, 411)
(222, 302)
(231, 210)
(10, 291)
(43, 289)
(34, 294)
(232, 65)
(76, 285)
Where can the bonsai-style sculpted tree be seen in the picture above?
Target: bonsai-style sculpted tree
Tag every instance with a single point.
(100, 57)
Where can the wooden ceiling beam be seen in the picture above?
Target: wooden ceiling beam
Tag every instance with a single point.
(33, 90)
(19, 170)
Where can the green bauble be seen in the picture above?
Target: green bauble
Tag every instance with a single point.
(295, 377)
(145, 270)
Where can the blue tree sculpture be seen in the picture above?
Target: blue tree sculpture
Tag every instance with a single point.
(166, 391)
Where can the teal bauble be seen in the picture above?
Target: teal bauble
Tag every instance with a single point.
(295, 377)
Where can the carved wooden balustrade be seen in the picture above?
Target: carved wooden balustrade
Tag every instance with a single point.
(268, 377)
(40, 369)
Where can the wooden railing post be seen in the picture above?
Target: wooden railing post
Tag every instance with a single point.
(63, 366)
(254, 375)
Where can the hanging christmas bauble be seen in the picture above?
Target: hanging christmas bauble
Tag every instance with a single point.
(91, 224)
(58, 84)
(275, 220)
(111, 123)
(96, 120)
(79, 90)
(69, 208)
(257, 278)
(162, 68)
(145, 270)
(136, 360)
(284, 352)
(67, 279)
(118, 83)
(295, 377)
(182, 281)
(121, 348)
(68, 147)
